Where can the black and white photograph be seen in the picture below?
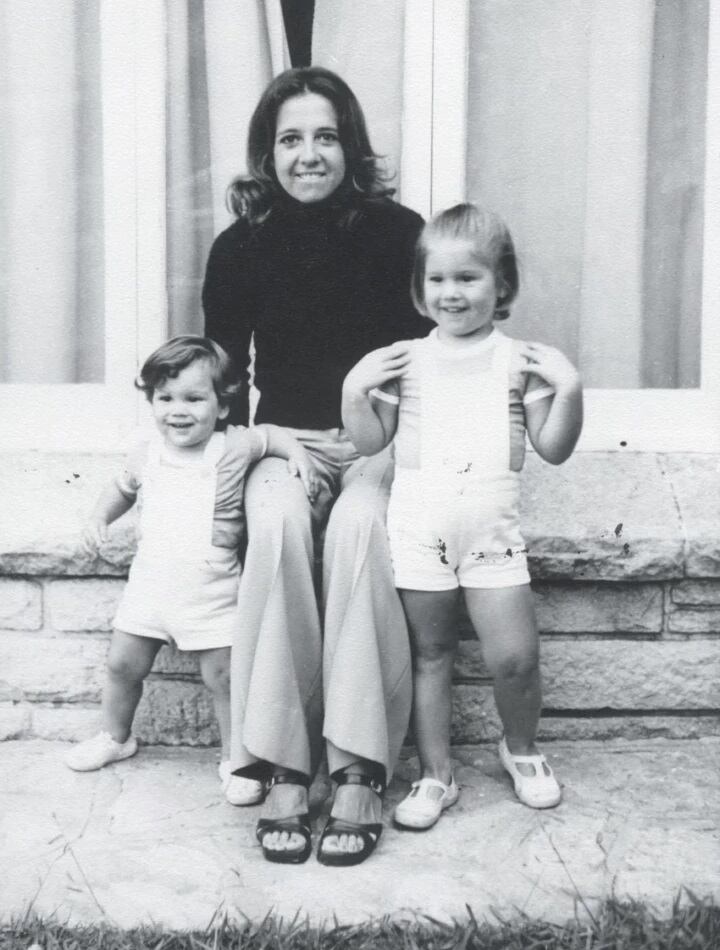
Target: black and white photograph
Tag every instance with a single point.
(360, 474)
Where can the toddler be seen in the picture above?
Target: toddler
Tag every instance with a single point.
(183, 582)
(458, 405)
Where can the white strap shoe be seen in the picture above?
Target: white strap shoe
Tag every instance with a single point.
(99, 751)
(539, 790)
(239, 790)
(423, 806)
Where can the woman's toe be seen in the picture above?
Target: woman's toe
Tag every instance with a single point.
(295, 842)
(332, 844)
(289, 842)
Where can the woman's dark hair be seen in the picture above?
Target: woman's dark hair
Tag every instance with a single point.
(167, 361)
(492, 244)
(251, 196)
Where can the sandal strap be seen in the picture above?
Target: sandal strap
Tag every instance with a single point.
(528, 759)
(289, 778)
(358, 778)
(537, 759)
(339, 826)
(428, 782)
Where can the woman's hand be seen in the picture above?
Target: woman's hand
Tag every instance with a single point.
(377, 368)
(301, 466)
(551, 365)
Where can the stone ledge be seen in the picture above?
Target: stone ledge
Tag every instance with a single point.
(72, 723)
(600, 674)
(475, 720)
(600, 516)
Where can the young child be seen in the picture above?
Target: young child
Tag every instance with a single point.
(183, 582)
(458, 404)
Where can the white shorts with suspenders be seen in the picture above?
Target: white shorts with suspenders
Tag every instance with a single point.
(181, 587)
(454, 522)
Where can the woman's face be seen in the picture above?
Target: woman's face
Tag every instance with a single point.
(308, 156)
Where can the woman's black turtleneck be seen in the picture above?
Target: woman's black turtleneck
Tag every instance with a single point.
(318, 292)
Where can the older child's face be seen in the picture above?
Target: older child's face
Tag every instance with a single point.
(186, 408)
(308, 156)
(460, 291)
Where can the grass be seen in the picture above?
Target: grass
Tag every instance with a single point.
(617, 925)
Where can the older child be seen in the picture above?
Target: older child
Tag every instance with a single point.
(183, 582)
(458, 405)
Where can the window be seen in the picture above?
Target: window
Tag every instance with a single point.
(588, 126)
(590, 129)
(127, 159)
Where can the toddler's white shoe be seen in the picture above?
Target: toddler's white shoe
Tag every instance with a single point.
(539, 790)
(239, 790)
(98, 751)
(421, 809)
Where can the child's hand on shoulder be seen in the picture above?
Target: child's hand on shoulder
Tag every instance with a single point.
(94, 534)
(301, 466)
(552, 365)
(377, 368)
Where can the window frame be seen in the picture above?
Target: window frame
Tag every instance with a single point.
(98, 417)
(640, 420)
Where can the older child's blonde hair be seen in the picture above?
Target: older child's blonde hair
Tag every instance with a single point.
(492, 244)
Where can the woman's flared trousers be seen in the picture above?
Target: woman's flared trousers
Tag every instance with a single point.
(297, 677)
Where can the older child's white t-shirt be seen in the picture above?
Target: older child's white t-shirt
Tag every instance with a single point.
(460, 365)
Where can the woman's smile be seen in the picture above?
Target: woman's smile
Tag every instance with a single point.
(309, 159)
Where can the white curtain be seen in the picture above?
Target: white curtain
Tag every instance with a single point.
(586, 131)
(219, 55)
(51, 213)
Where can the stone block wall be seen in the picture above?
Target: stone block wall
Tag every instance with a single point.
(625, 552)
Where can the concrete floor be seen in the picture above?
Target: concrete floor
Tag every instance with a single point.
(152, 840)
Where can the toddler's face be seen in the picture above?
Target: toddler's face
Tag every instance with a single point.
(461, 291)
(186, 408)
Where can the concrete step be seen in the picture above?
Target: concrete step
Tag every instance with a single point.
(152, 840)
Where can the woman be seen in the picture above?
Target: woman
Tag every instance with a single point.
(317, 270)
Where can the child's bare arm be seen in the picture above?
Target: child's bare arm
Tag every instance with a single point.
(372, 423)
(285, 446)
(554, 423)
(111, 504)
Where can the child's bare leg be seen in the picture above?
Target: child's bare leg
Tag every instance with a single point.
(215, 672)
(504, 620)
(130, 659)
(432, 622)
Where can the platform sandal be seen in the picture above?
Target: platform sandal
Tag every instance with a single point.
(294, 824)
(370, 833)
